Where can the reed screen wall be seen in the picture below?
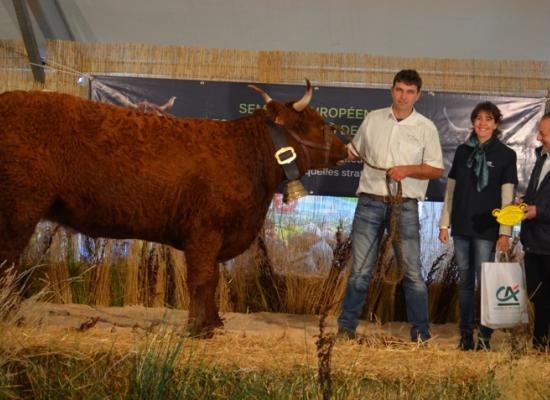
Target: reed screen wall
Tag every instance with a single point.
(65, 59)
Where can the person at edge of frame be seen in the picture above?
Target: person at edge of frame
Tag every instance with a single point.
(483, 177)
(535, 237)
(406, 144)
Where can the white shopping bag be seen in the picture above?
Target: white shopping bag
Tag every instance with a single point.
(503, 295)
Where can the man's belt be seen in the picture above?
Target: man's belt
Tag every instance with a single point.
(385, 199)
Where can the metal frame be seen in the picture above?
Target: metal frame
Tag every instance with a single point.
(27, 32)
(51, 20)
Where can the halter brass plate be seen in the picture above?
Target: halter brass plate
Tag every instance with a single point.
(283, 150)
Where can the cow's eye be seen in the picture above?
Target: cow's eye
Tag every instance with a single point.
(333, 127)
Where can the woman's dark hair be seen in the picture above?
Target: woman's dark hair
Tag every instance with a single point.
(491, 109)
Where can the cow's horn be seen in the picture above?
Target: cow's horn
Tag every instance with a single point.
(169, 104)
(265, 96)
(304, 101)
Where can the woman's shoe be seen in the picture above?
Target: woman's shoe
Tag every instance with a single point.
(483, 344)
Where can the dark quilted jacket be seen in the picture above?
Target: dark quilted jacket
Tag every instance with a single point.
(535, 233)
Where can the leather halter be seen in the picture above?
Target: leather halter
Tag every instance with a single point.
(326, 146)
(280, 141)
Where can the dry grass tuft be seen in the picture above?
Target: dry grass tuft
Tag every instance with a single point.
(12, 287)
(382, 340)
(10, 291)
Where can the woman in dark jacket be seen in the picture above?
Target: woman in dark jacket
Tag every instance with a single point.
(482, 177)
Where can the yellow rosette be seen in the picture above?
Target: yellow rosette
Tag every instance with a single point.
(510, 215)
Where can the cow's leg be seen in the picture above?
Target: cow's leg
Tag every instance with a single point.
(202, 279)
(18, 219)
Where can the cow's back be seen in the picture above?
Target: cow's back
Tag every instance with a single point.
(121, 173)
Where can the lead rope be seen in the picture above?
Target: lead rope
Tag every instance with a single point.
(393, 216)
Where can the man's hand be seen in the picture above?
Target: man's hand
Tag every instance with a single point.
(503, 243)
(399, 172)
(444, 235)
(530, 212)
(422, 171)
(351, 155)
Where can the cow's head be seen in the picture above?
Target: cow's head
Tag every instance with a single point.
(314, 141)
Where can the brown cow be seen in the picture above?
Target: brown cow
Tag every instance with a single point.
(201, 186)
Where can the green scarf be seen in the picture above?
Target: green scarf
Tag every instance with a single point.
(478, 162)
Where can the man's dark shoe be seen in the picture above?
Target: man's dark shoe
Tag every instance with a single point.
(345, 334)
(422, 340)
(466, 343)
(483, 344)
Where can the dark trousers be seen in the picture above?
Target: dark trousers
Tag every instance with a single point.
(537, 271)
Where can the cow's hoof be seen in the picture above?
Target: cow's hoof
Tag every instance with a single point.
(193, 334)
(205, 331)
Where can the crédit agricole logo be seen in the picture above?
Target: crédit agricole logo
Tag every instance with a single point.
(508, 295)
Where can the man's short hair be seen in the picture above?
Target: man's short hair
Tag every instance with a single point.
(408, 77)
(545, 116)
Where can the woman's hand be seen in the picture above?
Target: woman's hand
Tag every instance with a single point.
(503, 243)
(444, 235)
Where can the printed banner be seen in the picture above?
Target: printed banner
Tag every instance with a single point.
(346, 107)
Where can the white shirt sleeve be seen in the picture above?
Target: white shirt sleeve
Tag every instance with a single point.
(433, 155)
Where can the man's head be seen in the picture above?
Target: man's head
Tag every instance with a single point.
(544, 132)
(405, 92)
(408, 77)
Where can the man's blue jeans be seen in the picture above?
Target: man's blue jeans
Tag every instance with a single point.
(371, 217)
(470, 252)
